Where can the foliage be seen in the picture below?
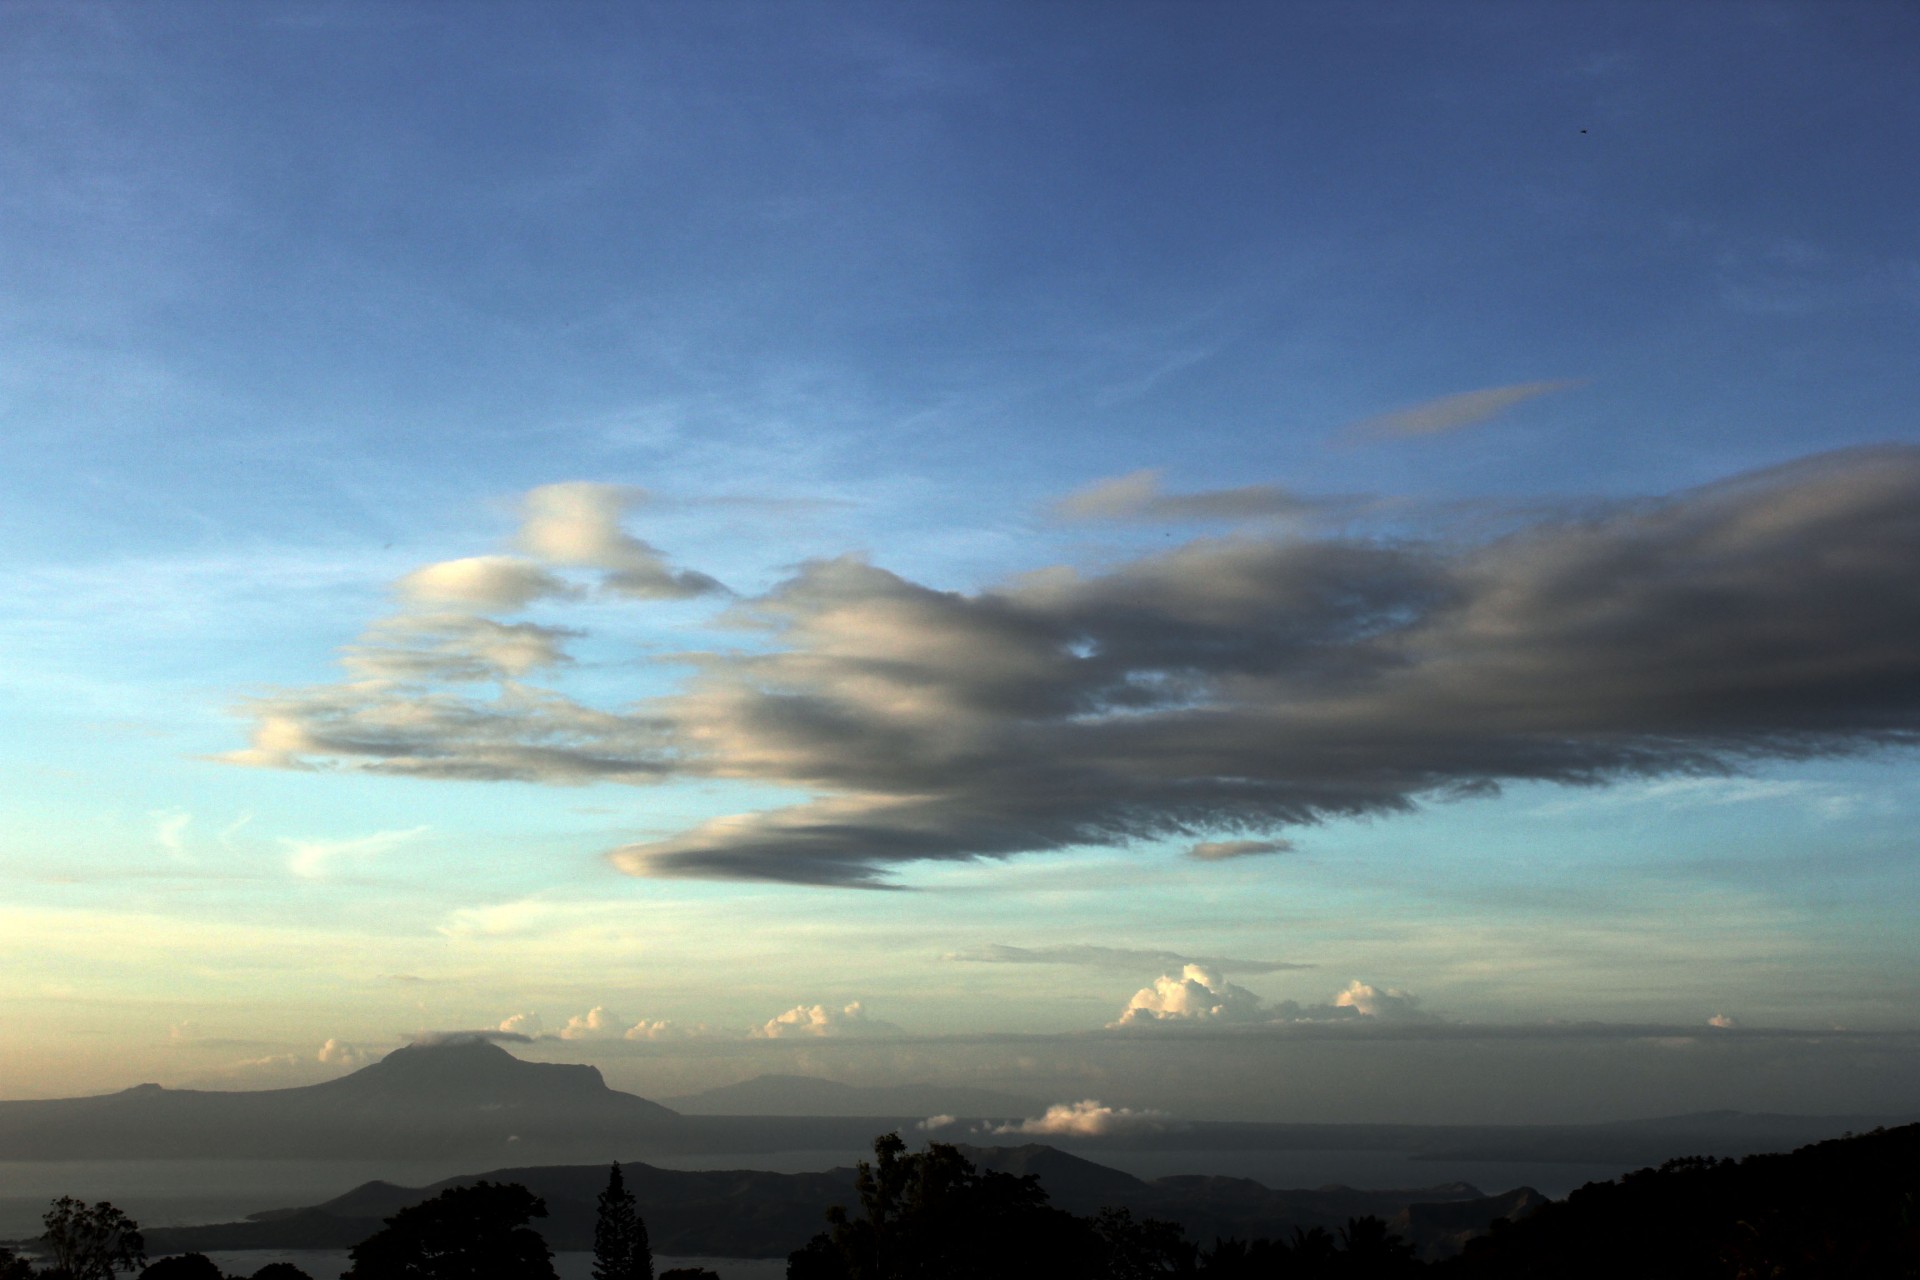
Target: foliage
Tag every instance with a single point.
(183, 1266)
(13, 1266)
(621, 1250)
(280, 1271)
(932, 1216)
(466, 1233)
(1840, 1208)
(91, 1242)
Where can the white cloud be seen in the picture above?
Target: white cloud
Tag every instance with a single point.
(578, 524)
(595, 1024)
(339, 1053)
(1723, 1021)
(820, 1020)
(482, 582)
(667, 1029)
(1204, 996)
(314, 859)
(1088, 1118)
(1387, 1003)
(1199, 994)
(933, 1123)
(522, 1024)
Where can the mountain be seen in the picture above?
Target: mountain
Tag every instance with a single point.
(448, 1098)
(743, 1213)
(778, 1095)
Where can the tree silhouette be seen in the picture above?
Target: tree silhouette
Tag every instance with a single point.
(466, 1233)
(13, 1266)
(91, 1242)
(621, 1250)
(931, 1215)
(183, 1266)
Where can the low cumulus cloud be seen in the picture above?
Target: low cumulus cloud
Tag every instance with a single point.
(1219, 692)
(822, 1020)
(1088, 1118)
(1111, 958)
(1450, 413)
(339, 1053)
(595, 1024)
(1198, 996)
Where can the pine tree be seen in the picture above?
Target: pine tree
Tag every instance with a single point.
(621, 1250)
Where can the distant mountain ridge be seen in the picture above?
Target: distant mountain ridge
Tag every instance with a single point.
(787, 1095)
(437, 1098)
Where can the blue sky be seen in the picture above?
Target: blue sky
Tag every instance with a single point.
(1435, 309)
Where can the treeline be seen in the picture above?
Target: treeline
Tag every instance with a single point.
(1846, 1208)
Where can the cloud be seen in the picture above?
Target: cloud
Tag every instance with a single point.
(522, 1024)
(1220, 850)
(315, 859)
(933, 1123)
(1198, 995)
(595, 1024)
(1368, 1001)
(482, 582)
(1111, 958)
(1137, 498)
(667, 1029)
(1241, 685)
(578, 524)
(339, 1053)
(1088, 1118)
(170, 832)
(1723, 1022)
(1450, 413)
(493, 1035)
(819, 1020)
(413, 649)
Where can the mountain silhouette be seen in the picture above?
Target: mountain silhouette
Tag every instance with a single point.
(455, 1097)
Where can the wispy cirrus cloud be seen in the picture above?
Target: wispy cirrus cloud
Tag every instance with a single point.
(1112, 958)
(1447, 414)
(1226, 689)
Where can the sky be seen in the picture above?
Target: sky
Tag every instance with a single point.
(1290, 561)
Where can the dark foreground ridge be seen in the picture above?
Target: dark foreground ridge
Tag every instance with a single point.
(750, 1214)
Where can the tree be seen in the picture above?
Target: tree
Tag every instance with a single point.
(931, 1215)
(465, 1233)
(13, 1266)
(183, 1266)
(91, 1243)
(281, 1271)
(621, 1250)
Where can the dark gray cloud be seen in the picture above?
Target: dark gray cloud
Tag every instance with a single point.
(1113, 958)
(1233, 687)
